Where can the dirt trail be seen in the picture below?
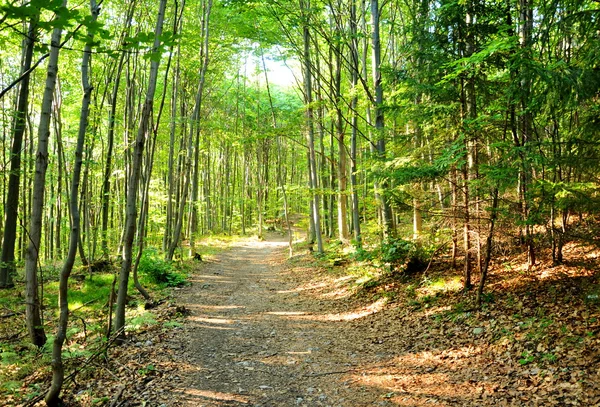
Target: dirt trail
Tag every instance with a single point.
(252, 339)
(267, 333)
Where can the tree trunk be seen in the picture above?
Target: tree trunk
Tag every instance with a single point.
(488, 247)
(207, 7)
(132, 187)
(7, 266)
(310, 133)
(380, 194)
(33, 307)
(353, 140)
(105, 194)
(194, 130)
(58, 372)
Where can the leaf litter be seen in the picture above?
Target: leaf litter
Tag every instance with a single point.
(265, 331)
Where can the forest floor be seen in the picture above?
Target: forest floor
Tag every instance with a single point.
(266, 331)
(255, 328)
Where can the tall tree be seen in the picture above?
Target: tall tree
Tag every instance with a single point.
(310, 131)
(35, 326)
(58, 371)
(7, 266)
(133, 185)
(381, 194)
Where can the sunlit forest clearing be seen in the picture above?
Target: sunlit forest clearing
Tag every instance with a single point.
(205, 201)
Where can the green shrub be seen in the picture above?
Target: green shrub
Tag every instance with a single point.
(404, 255)
(159, 270)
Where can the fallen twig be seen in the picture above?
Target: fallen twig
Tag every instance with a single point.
(328, 373)
(115, 400)
(440, 247)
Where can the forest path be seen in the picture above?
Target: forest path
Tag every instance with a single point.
(252, 340)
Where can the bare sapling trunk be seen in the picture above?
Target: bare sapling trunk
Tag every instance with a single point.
(148, 174)
(204, 52)
(134, 179)
(280, 167)
(353, 138)
(58, 372)
(33, 307)
(488, 247)
(194, 131)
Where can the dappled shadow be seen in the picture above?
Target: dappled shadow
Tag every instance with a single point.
(260, 341)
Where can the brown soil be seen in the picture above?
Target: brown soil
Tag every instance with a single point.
(267, 332)
(252, 339)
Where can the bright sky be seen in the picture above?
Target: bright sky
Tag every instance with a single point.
(279, 73)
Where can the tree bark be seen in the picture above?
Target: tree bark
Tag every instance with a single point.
(7, 266)
(310, 136)
(386, 212)
(58, 372)
(354, 72)
(33, 307)
(132, 187)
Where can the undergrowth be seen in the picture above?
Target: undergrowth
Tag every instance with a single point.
(25, 369)
(159, 270)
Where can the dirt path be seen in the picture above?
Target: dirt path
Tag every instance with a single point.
(252, 339)
(267, 333)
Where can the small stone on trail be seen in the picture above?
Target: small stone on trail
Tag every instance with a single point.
(477, 331)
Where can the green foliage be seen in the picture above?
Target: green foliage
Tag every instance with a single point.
(159, 270)
(404, 255)
(526, 358)
(143, 319)
(148, 369)
(172, 324)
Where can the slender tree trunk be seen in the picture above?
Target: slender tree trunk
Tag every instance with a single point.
(33, 307)
(280, 165)
(193, 140)
(58, 372)
(310, 136)
(380, 194)
(526, 126)
(342, 201)
(7, 266)
(105, 194)
(353, 140)
(132, 187)
(488, 247)
(205, 61)
(170, 170)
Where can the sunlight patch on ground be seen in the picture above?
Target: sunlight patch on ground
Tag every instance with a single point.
(346, 316)
(219, 321)
(415, 385)
(215, 395)
(329, 289)
(216, 327)
(285, 313)
(306, 287)
(222, 279)
(220, 307)
(441, 285)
